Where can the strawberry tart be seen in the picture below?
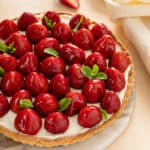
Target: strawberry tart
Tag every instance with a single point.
(63, 78)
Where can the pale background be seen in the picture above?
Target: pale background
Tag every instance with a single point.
(137, 135)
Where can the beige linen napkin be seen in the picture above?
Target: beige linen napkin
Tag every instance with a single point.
(136, 26)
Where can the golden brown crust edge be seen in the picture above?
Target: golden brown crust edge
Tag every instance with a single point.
(43, 142)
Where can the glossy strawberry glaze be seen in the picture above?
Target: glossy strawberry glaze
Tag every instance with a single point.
(89, 116)
(71, 53)
(45, 43)
(11, 83)
(93, 90)
(28, 63)
(51, 15)
(15, 99)
(74, 128)
(5, 60)
(25, 20)
(7, 27)
(77, 103)
(75, 77)
(36, 83)
(59, 85)
(20, 42)
(56, 123)
(23, 124)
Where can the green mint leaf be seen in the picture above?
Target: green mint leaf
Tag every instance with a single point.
(11, 48)
(86, 70)
(78, 25)
(95, 70)
(3, 47)
(7, 49)
(102, 76)
(104, 114)
(64, 104)
(2, 71)
(49, 23)
(25, 103)
(93, 73)
(51, 51)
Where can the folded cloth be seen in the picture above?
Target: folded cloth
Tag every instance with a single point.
(128, 8)
(136, 26)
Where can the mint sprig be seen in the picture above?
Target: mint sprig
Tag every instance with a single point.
(78, 25)
(25, 103)
(7, 49)
(93, 72)
(2, 71)
(51, 51)
(104, 114)
(86, 70)
(49, 23)
(101, 75)
(64, 104)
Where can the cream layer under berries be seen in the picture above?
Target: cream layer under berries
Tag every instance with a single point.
(61, 76)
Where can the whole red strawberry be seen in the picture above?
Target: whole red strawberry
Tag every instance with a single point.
(20, 42)
(93, 90)
(36, 32)
(4, 105)
(116, 80)
(98, 59)
(120, 60)
(83, 38)
(6, 28)
(8, 62)
(105, 45)
(70, 53)
(98, 30)
(36, 83)
(56, 123)
(45, 103)
(25, 20)
(15, 99)
(89, 116)
(59, 85)
(28, 63)
(51, 66)
(77, 103)
(75, 20)
(75, 76)
(11, 82)
(43, 44)
(50, 19)
(28, 122)
(62, 33)
(110, 102)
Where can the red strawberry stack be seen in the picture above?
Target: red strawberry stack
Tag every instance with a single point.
(52, 70)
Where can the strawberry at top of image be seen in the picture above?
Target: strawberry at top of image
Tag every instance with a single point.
(50, 19)
(7, 27)
(75, 4)
(25, 20)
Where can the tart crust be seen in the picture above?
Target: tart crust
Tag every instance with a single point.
(43, 142)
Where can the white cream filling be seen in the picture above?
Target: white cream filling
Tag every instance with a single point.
(74, 128)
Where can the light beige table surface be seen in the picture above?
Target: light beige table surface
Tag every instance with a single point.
(137, 135)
